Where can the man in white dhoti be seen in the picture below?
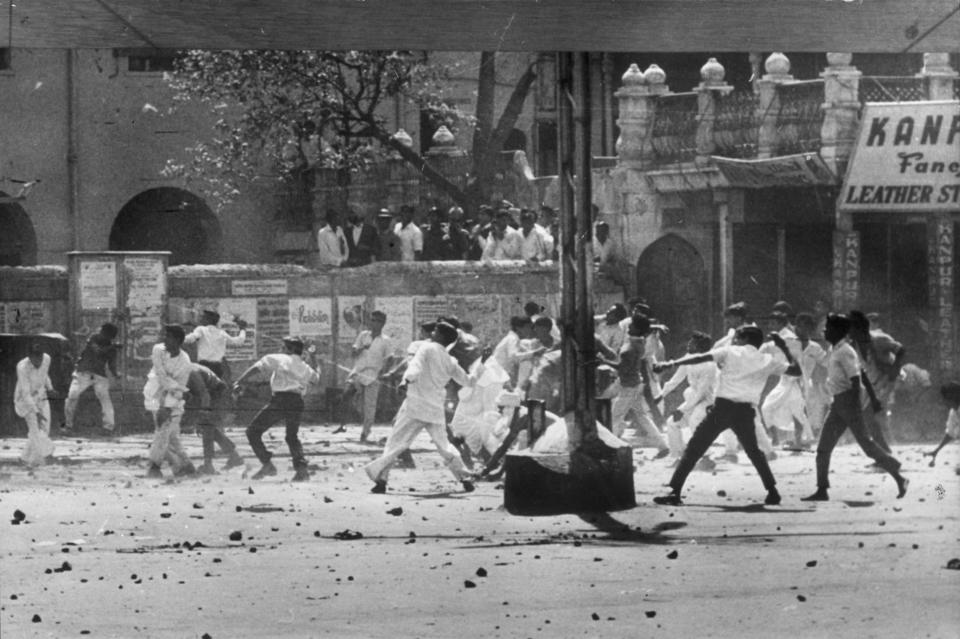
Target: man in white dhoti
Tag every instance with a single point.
(30, 402)
(425, 381)
(163, 397)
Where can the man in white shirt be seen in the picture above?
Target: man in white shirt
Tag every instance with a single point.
(411, 237)
(743, 374)
(602, 246)
(510, 351)
(163, 397)
(425, 382)
(212, 342)
(504, 242)
(331, 242)
(536, 245)
(289, 378)
(697, 396)
(31, 403)
(609, 327)
(372, 351)
(843, 383)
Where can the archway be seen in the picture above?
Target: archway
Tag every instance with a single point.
(672, 277)
(169, 219)
(18, 241)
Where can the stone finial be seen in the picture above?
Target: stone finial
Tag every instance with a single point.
(654, 75)
(835, 59)
(403, 138)
(777, 64)
(712, 72)
(633, 77)
(443, 137)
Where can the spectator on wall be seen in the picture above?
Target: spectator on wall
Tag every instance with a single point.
(388, 242)
(479, 232)
(504, 243)
(361, 240)
(331, 242)
(536, 245)
(411, 237)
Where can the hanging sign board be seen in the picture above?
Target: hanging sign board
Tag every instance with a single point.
(907, 158)
(804, 169)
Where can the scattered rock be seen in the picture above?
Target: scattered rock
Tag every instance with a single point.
(348, 534)
(650, 614)
(236, 535)
(954, 564)
(469, 584)
(801, 598)
(721, 493)
(18, 515)
(481, 572)
(595, 617)
(396, 512)
(327, 500)
(36, 619)
(673, 554)
(811, 563)
(165, 515)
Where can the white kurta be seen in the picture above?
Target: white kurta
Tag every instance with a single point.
(30, 402)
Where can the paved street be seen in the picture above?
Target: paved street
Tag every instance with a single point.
(103, 552)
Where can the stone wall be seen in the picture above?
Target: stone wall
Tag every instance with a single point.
(325, 308)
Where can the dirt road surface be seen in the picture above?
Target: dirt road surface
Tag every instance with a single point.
(90, 547)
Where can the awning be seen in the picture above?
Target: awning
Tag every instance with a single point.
(803, 169)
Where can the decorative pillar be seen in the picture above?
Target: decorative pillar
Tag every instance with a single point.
(940, 283)
(841, 111)
(777, 67)
(939, 74)
(637, 100)
(846, 269)
(709, 92)
(443, 143)
(725, 231)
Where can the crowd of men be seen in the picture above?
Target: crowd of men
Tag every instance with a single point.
(501, 232)
(810, 380)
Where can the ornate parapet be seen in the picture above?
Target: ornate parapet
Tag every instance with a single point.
(637, 98)
(940, 76)
(841, 109)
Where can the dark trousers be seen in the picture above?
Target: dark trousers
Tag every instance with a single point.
(216, 367)
(845, 413)
(212, 435)
(737, 416)
(283, 406)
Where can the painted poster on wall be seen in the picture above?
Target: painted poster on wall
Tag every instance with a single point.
(483, 311)
(353, 315)
(26, 317)
(428, 309)
(273, 324)
(399, 325)
(310, 317)
(98, 285)
(146, 282)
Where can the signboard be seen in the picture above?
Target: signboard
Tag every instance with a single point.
(256, 288)
(98, 285)
(310, 317)
(907, 158)
(146, 282)
(804, 169)
(846, 269)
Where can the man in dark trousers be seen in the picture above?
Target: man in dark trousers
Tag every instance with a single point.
(205, 404)
(289, 378)
(96, 367)
(743, 374)
(843, 383)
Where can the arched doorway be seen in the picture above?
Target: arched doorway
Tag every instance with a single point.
(672, 278)
(18, 241)
(168, 219)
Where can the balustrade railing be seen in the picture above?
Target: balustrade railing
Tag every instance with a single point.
(675, 128)
(800, 116)
(736, 126)
(884, 88)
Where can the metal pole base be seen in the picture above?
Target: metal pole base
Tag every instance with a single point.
(539, 484)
